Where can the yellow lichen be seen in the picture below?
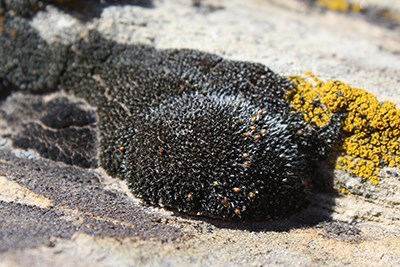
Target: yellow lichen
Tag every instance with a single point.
(344, 191)
(340, 5)
(371, 128)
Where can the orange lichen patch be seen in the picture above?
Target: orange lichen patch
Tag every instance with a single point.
(371, 128)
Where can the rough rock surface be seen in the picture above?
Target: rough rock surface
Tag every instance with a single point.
(55, 214)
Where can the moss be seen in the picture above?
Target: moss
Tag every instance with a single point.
(27, 61)
(371, 129)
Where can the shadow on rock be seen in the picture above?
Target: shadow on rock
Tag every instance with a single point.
(320, 203)
(83, 10)
(89, 9)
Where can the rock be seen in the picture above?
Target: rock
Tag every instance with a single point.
(59, 214)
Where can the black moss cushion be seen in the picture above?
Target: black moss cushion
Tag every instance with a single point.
(186, 129)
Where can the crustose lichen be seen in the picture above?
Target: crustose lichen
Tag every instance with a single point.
(340, 5)
(371, 129)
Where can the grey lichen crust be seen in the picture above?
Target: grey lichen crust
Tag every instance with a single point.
(187, 130)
